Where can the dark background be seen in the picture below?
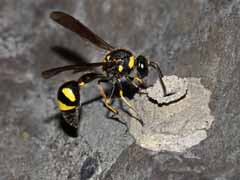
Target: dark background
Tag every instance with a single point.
(189, 38)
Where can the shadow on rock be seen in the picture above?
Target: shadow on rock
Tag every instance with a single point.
(69, 55)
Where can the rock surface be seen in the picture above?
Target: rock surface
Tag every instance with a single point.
(188, 38)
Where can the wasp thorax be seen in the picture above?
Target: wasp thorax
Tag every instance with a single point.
(142, 66)
(121, 62)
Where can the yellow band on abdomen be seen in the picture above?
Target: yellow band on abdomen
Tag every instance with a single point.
(64, 107)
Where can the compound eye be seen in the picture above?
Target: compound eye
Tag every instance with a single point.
(142, 66)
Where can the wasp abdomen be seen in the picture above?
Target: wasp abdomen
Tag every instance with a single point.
(69, 102)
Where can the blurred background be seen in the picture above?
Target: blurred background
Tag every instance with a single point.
(188, 38)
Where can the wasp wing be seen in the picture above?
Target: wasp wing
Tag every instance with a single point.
(76, 26)
(75, 68)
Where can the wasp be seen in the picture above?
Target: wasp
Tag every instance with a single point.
(118, 65)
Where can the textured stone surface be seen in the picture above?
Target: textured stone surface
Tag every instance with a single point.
(136, 163)
(189, 38)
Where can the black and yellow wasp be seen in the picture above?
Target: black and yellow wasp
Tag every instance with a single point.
(118, 65)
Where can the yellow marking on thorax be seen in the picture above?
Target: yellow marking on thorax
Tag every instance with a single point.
(64, 107)
(69, 94)
(107, 58)
(131, 62)
(120, 68)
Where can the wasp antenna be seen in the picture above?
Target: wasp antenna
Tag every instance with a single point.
(156, 66)
(55, 15)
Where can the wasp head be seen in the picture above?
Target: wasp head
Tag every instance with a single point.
(142, 66)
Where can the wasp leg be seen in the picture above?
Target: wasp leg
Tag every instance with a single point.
(127, 103)
(122, 97)
(86, 78)
(113, 117)
(156, 66)
(112, 91)
(125, 100)
(130, 81)
(133, 80)
(107, 100)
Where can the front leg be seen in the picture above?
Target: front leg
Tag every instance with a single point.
(126, 101)
(107, 100)
(137, 82)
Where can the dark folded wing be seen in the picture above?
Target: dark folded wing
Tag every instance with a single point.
(76, 26)
(76, 68)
